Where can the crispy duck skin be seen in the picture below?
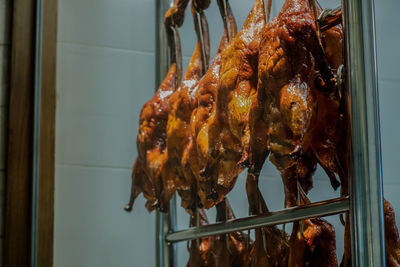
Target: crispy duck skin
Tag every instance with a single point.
(201, 252)
(282, 114)
(151, 138)
(226, 131)
(317, 248)
(151, 145)
(206, 94)
(182, 103)
(232, 252)
(327, 125)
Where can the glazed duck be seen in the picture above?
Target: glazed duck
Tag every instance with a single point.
(223, 139)
(205, 108)
(182, 103)
(201, 252)
(151, 138)
(230, 249)
(282, 114)
(270, 247)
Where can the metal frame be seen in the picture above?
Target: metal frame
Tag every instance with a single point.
(366, 198)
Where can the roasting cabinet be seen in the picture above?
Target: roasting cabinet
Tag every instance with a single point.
(365, 203)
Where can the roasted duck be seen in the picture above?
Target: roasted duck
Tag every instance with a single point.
(316, 248)
(230, 249)
(270, 247)
(225, 130)
(182, 103)
(201, 252)
(205, 108)
(282, 114)
(392, 240)
(151, 138)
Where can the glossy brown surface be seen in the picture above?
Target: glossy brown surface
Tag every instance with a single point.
(230, 249)
(205, 109)
(228, 130)
(201, 252)
(270, 247)
(316, 248)
(151, 144)
(179, 137)
(282, 114)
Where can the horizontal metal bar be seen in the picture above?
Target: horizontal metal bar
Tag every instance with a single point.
(318, 209)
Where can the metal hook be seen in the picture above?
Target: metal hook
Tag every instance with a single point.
(284, 224)
(330, 18)
(227, 235)
(340, 80)
(224, 12)
(342, 220)
(248, 240)
(298, 204)
(228, 247)
(204, 62)
(263, 234)
(266, 13)
(197, 226)
(178, 54)
(315, 12)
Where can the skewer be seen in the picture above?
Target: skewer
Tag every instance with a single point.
(315, 12)
(330, 18)
(197, 225)
(227, 235)
(298, 204)
(177, 53)
(264, 236)
(284, 224)
(266, 13)
(340, 80)
(222, 4)
(199, 26)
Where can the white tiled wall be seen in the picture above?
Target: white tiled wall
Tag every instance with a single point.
(105, 74)
(5, 10)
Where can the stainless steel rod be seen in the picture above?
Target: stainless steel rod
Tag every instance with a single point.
(318, 209)
(368, 247)
(165, 253)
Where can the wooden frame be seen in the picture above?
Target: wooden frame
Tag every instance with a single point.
(18, 215)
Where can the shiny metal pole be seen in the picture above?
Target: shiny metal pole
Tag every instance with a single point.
(165, 222)
(368, 247)
(319, 209)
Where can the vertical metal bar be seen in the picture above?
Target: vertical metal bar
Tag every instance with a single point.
(36, 133)
(368, 247)
(165, 253)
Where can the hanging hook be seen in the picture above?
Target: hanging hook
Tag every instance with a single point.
(342, 220)
(330, 18)
(228, 247)
(197, 226)
(315, 12)
(284, 224)
(223, 8)
(199, 25)
(340, 80)
(298, 204)
(267, 10)
(177, 54)
(263, 234)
